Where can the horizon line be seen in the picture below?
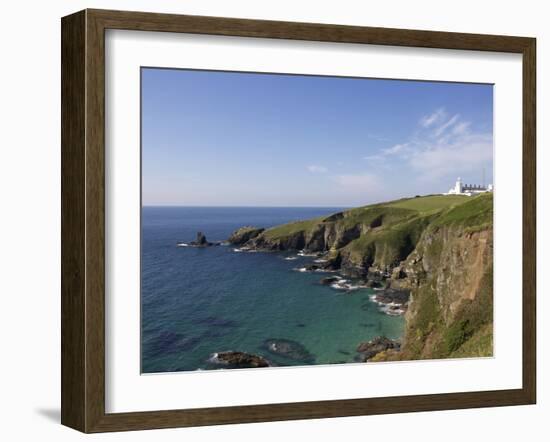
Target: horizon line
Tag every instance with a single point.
(295, 206)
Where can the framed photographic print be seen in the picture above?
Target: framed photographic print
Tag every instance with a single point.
(270, 220)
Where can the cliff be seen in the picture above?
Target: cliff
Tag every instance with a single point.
(450, 275)
(437, 248)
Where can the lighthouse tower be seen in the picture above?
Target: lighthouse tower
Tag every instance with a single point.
(457, 189)
(458, 186)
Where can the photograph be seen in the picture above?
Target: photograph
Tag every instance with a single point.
(298, 220)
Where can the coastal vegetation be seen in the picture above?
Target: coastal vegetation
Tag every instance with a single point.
(436, 250)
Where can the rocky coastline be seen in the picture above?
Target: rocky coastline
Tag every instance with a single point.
(427, 258)
(434, 267)
(391, 301)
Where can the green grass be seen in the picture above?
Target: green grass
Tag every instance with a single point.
(285, 230)
(480, 310)
(430, 203)
(361, 215)
(428, 312)
(472, 316)
(392, 243)
(398, 221)
(371, 214)
(479, 345)
(477, 211)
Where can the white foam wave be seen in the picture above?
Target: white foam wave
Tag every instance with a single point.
(303, 253)
(344, 284)
(389, 308)
(214, 358)
(392, 309)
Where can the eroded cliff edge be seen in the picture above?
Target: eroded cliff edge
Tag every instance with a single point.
(438, 248)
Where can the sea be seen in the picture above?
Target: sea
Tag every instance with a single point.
(196, 302)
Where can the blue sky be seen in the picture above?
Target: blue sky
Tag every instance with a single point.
(242, 139)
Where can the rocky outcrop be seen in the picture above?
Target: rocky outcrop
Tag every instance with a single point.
(391, 301)
(244, 234)
(322, 237)
(367, 350)
(392, 296)
(239, 359)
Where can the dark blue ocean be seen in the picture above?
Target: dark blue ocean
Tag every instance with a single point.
(199, 301)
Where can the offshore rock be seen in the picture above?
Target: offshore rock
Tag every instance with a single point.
(239, 359)
(377, 345)
(201, 241)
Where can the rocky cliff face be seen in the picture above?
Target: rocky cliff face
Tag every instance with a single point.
(439, 248)
(450, 275)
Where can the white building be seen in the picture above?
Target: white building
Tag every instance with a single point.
(468, 189)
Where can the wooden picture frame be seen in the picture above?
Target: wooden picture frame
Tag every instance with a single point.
(83, 220)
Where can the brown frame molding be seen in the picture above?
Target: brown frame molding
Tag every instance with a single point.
(83, 217)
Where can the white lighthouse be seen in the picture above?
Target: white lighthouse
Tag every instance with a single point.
(458, 186)
(468, 189)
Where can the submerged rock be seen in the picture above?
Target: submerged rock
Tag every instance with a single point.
(312, 267)
(168, 342)
(239, 359)
(215, 321)
(289, 349)
(377, 345)
(329, 280)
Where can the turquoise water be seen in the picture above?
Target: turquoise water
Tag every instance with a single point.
(196, 302)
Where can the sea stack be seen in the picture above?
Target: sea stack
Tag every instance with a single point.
(200, 241)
